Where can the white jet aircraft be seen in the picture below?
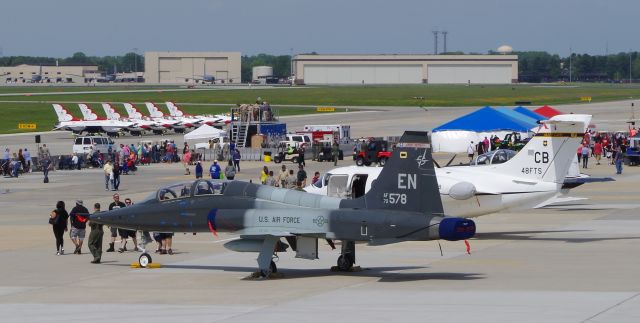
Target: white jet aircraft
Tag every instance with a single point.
(534, 175)
(159, 116)
(211, 120)
(138, 127)
(157, 126)
(68, 122)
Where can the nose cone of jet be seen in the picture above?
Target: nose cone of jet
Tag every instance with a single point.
(113, 218)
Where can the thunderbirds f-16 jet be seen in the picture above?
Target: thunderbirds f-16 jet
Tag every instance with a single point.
(501, 180)
(211, 120)
(177, 125)
(68, 122)
(402, 205)
(158, 126)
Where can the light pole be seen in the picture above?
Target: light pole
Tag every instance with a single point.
(291, 67)
(135, 60)
(630, 80)
(570, 54)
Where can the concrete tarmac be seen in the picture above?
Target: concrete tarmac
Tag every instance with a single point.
(562, 264)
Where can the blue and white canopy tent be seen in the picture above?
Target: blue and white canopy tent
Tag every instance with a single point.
(456, 135)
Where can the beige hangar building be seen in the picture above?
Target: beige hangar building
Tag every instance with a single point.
(405, 69)
(48, 73)
(192, 67)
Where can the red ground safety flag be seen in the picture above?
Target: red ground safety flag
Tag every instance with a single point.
(466, 243)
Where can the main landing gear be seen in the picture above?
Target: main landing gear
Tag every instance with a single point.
(348, 256)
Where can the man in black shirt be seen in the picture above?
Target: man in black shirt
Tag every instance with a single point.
(78, 216)
(302, 177)
(116, 204)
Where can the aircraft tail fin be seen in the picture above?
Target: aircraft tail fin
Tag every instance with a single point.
(174, 110)
(549, 154)
(87, 113)
(154, 112)
(63, 114)
(407, 182)
(132, 111)
(110, 112)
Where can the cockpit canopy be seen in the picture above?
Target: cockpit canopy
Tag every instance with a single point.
(190, 189)
(497, 156)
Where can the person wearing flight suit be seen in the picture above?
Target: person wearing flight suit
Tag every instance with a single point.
(95, 237)
(335, 152)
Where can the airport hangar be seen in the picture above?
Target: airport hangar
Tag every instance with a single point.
(192, 67)
(405, 69)
(49, 73)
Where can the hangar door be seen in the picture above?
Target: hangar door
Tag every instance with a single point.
(462, 74)
(356, 74)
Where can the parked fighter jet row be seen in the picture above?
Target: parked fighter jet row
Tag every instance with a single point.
(136, 123)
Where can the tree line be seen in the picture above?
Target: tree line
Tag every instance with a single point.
(533, 66)
(538, 67)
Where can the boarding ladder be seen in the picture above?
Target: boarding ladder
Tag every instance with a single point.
(240, 131)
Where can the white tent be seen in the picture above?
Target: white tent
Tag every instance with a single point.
(205, 132)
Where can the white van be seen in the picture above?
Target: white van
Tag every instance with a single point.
(298, 139)
(83, 144)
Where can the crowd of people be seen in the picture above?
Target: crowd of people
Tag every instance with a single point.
(76, 221)
(13, 164)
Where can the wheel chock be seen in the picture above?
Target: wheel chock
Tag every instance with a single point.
(151, 265)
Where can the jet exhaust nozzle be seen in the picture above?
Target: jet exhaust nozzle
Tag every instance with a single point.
(455, 229)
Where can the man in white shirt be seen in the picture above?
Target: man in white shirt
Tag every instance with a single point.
(471, 150)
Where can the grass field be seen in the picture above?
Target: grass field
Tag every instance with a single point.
(408, 95)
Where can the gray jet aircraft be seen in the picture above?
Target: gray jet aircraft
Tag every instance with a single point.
(403, 204)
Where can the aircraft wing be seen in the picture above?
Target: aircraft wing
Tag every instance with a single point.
(278, 231)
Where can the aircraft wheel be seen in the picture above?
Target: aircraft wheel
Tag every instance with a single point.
(273, 267)
(345, 263)
(144, 260)
(382, 161)
(359, 161)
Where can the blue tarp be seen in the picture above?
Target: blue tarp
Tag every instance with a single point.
(517, 115)
(486, 119)
(530, 113)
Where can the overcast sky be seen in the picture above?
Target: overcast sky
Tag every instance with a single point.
(113, 27)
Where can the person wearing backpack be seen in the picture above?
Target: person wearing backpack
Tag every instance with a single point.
(78, 216)
(58, 219)
(230, 171)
